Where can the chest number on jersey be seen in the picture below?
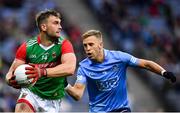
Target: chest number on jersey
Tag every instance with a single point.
(108, 84)
(45, 56)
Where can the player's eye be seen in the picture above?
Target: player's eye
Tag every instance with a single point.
(85, 45)
(56, 22)
(91, 44)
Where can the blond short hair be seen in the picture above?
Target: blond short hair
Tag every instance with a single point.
(89, 33)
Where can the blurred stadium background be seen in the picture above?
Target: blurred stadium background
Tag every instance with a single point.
(147, 29)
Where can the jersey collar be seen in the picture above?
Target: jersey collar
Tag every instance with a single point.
(105, 58)
(39, 39)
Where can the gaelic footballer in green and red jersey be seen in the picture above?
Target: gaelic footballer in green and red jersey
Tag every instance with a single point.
(32, 51)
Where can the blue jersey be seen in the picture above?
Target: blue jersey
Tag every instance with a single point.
(106, 81)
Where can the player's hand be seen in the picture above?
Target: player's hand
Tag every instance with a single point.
(35, 72)
(170, 76)
(10, 79)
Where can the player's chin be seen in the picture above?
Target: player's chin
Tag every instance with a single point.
(91, 57)
(57, 35)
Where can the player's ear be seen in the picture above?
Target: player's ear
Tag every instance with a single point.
(43, 27)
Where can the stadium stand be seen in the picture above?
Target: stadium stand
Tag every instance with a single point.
(146, 28)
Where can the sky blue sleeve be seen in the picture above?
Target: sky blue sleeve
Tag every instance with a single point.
(80, 76)
(129, 59)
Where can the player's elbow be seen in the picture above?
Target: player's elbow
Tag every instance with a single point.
(71, 70)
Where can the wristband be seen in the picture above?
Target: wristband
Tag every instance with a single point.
(69, 85)
(43, 72)
(163, 72)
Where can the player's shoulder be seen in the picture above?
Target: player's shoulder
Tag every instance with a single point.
(31, 41)
(113, 53)
(84, 62)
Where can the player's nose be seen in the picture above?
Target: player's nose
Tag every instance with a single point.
(60, 27)
(88, 48)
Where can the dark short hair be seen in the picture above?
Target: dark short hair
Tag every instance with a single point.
(43, 15)
(96, 33)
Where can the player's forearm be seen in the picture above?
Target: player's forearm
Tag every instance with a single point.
(73, 92)
(154, 67)
(15, 64)
(61, 70)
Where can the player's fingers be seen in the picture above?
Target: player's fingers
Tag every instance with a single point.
(34, 80)
(13, 77)
(31, 76)
(33, 65)
(30, 72)
(29, 68)
(16, 86)
(12, 81)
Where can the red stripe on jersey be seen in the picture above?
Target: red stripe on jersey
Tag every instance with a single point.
(21, 52)
(67, 47)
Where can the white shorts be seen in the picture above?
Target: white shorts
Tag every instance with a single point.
(37, 104)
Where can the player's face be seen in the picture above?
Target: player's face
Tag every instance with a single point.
(53, 27)
(93, 47)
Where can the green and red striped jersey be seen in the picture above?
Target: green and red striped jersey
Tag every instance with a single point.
(32, 51)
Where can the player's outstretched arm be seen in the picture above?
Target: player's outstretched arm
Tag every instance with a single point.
(76, 91)
(10, 77)
(156, 68)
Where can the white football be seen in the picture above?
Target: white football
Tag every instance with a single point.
(21, 77)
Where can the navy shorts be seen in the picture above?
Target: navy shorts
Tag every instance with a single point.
(121, 110)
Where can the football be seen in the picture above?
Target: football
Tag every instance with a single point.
(21, 77)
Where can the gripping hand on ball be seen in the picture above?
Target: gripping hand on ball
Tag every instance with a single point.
(35, 72)
(10, 79)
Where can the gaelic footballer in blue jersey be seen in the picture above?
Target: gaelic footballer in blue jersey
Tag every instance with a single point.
(104, 74)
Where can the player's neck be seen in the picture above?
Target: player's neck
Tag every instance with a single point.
(45, 40)
(100, 58)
